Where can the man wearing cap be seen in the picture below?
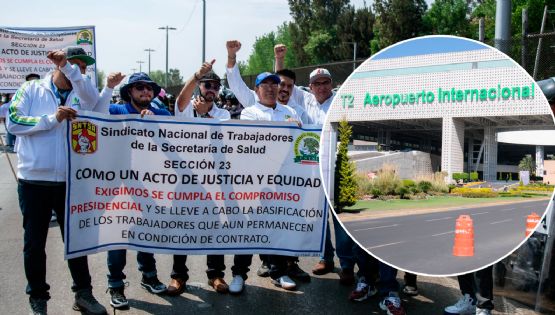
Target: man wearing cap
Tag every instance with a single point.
(316, 104)
(248, 97)
(208, 83)
(137, 94)
(202, 106)
(36, 114)
(267, 108)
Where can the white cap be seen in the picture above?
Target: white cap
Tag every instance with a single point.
(319, 73)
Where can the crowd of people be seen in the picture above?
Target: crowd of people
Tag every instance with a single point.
(38, 108)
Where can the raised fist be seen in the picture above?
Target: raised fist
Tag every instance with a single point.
(233, 46)
(58, 57)
(279, 51)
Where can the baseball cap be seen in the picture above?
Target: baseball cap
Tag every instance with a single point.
(266, 75)
(75, 52)
(210, 76)
(319, 73)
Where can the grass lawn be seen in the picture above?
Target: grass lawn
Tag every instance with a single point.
(432, 202)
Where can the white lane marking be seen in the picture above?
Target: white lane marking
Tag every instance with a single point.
(384, 245)
(502, 221)
(480, 213)
(450, 232)
(510, 209)
(376, 227)
(439, 219)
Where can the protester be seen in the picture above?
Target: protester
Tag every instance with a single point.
(36, 114)
(267, 108)
(248, 97)
(138, 93)
(203, 106)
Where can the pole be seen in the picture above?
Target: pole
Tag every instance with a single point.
(149, 51)
(538, 51)
(140, 62)
(503, 26)
(354, 55)
(203, 31)
(167, 28)
(481, 32)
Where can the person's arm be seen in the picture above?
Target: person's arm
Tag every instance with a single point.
(244, 95)
(279, 55)
(21, 122)
(103, 104)
(186, 93)
(82, 85)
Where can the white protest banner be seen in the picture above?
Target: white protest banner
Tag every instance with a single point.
(23, 51)
(193, 186)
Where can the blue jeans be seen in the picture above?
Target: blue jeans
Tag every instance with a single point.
(388, 280)
(479, 285)
(116, 263)
(37, 202)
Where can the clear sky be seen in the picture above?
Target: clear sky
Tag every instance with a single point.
(125, 28)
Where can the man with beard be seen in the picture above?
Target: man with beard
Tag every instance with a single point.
(208, 84)
(35, 115)
(137, 94)
(203, 107)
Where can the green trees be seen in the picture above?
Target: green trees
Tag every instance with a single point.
(527, 164)
(174, 77)
(397, 20)
(345, 182)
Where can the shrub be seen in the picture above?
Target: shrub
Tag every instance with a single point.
(474, 192)
(424, 186)
(376, 192)
(408, 183)
(386, 180)
(459, 176)
(451, 186)
(402, 191)
(364, 186)
(474, 176)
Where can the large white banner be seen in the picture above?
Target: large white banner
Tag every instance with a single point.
(193, 187)
(23, 51)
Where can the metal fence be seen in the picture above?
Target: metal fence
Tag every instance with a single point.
(526, 53)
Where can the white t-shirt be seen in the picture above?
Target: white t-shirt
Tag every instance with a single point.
(261, 112)
(248, 97)
(315, 111)
(215, 112)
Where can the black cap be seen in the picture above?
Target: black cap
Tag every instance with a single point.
(210, 76)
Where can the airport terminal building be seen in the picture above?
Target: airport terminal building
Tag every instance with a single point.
(450, 105)
(453, 110)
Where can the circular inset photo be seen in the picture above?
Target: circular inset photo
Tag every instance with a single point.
(423, 157)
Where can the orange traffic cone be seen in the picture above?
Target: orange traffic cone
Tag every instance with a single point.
(464, 237)
(531, 221)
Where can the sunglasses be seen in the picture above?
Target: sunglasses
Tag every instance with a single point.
(212, 86)
(141, 87)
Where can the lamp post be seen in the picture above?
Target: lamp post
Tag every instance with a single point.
(149, 51)
(354, 54)
(203, 31)
(167, 28)
(140, 62)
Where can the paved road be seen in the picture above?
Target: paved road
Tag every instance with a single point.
(424, 242)
(323, 295)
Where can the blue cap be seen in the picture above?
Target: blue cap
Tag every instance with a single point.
(266, 75)
(138, 77)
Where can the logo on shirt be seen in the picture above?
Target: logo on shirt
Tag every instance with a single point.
(307, 147)
(83, 137)
(84, 37)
